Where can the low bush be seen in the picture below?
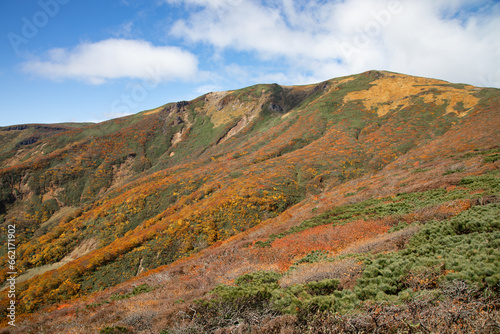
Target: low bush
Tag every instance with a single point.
(115, 330)
(446, 279)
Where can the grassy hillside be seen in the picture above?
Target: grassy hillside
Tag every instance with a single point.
(310, 204)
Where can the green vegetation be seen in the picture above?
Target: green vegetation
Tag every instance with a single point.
(464, 248)
(314, 256)
(132, 194)
(490, 155)
(143, 288)
(453, 170)
(115, 330)
(393, 206)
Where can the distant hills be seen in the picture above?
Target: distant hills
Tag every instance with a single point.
(372, 190)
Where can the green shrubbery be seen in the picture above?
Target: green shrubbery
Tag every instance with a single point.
(463, 250)
(42, 211)
(260, 293)
(465, 247)
(115, 330)
(143, 288)
(314, 256)
(397, 205)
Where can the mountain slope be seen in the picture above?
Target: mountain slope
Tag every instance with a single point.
(97, 205)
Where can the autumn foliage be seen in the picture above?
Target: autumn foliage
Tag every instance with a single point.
(241, 181)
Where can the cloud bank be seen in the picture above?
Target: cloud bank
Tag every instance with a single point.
(297, 42)
(455, 40)
(109, 59)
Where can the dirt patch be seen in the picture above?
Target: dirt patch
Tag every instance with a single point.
(52, 193)
(59, 215)
(237, 128)
(122, 172)
(82, 249)
(177, 138)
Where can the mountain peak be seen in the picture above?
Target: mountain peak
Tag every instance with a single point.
(170, 202)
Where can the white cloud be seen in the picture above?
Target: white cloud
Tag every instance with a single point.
(455, 40)
(109, 59)
(124, 30)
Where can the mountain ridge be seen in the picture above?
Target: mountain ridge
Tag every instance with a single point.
(185, 179)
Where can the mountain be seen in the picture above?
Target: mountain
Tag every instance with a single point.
(265, 209)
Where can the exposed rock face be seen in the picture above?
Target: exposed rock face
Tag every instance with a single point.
(274, 107)
(178, 121)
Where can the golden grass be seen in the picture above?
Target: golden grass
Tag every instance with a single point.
(394, 91)
(154, 111)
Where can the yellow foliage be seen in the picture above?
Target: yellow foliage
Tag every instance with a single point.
(394, 90)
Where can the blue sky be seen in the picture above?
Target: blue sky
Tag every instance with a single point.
(91, 60)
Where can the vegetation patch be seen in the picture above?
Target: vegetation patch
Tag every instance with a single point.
(450, 262)
(401, 204)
